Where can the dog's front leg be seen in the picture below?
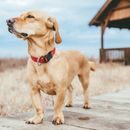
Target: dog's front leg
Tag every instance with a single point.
(36, 100)
(59, 101)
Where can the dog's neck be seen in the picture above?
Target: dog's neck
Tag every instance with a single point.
(40, 45)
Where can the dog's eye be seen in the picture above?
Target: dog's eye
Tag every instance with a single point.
(30, 16)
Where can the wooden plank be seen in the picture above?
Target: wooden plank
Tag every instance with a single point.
(110, 105)
(99, 117)
(120, 14)
(11, 124)
(109, 112)
(99, 123)
(5, 128)
(95, 122)
(105, 111)
(123, 3)
(120, 97)
(88, 119)
(117, 48)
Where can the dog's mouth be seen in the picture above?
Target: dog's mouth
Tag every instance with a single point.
(11, 29)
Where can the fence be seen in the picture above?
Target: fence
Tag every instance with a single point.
(121, 55)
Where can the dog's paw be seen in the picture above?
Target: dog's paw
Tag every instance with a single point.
(68, 105)
(58, 120)
(86, 106)
(35, 120)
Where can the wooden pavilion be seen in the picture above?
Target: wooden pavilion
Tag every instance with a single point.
(114, 13)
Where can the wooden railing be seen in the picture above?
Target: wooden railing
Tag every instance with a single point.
(121, 55)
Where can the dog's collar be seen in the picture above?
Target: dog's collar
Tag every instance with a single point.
(44, 59)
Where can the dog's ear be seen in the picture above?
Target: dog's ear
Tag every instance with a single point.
(53, 24)
(49, 23)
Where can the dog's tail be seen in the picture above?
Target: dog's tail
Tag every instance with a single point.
(92, 65)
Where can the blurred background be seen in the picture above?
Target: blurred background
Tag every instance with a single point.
(73, 18)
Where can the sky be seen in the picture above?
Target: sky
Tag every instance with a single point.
(73, 17)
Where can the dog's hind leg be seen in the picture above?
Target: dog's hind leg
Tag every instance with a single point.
(69, 97)
(36, 99)
(84, 79)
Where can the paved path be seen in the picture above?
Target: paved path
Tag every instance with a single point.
(109, 112)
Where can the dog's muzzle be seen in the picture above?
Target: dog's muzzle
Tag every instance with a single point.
(11, 29)
(10, 23)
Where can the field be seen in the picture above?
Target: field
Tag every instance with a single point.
(14, 90)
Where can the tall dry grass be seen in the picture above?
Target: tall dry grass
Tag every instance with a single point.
(107, 78)
(15, 93)
(14, 90)
(8, 63)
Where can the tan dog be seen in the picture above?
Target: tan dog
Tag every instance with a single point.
(48, 71)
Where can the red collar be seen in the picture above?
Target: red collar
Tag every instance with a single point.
(44, 59)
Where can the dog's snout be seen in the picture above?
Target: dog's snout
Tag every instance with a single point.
(10, 21)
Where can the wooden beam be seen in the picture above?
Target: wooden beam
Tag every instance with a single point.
(122, 7)
(92, 22)
(102, 36)
(102, 44)
(120, 14)
(103, 28)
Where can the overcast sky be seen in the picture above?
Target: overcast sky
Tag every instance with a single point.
(73, 17)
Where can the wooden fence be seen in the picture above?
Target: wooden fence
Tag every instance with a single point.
(121, 55)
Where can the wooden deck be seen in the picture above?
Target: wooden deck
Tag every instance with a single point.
(109, 112)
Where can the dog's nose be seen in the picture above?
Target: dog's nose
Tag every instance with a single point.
(10, 21)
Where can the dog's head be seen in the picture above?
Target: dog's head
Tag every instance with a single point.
(33, 24)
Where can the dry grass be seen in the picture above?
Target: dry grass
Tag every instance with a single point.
(14, 91)
(11, 63)
(107, 78)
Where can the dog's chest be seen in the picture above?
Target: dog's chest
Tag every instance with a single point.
(45, 82)
(44, 78)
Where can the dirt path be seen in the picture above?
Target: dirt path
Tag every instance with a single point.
(109, 112)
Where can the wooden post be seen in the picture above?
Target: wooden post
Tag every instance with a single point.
(102, 37)
(127, 56)
(102, 44)
(103, 27)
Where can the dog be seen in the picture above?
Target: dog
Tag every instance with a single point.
(48, 70)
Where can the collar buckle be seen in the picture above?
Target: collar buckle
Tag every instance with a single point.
(38, 61)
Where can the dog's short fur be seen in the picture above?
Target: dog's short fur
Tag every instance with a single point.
(54, 77)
